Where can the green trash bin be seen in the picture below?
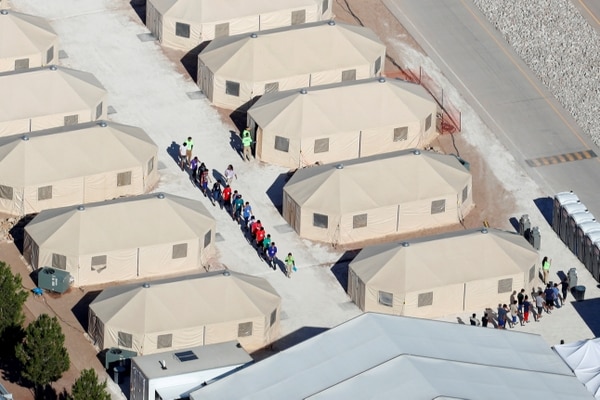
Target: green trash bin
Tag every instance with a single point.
(579, 293)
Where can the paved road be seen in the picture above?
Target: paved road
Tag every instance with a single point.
(505, 94)
(590, 9)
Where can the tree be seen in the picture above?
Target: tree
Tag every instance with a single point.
(87, 387)
(12, 298)
(42, 353)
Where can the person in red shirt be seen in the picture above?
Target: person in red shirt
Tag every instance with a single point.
(227, 198)
(260, 236)
(255, 227)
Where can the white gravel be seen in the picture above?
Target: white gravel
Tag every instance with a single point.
(559, 46)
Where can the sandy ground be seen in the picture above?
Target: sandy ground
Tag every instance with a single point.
(148, 87)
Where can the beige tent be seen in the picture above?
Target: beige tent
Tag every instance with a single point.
(184, 24)
(375, 196)
(336, 122)
(440, 275)
(189, 311)
(49, 97)
(25, 41)
(72, 165)
(233, 70)
(128, 238)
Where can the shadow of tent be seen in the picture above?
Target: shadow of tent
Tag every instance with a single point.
(190, 60)
(291, 339)
(589, 311)
(515, 223)
(18, 231)
(81, 309)
(275, 191)
(340, 268)
(139, 6)
(545, 204)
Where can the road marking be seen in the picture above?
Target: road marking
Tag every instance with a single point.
(589, 12)
(561, 158)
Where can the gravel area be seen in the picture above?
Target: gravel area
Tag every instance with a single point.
(560, 47)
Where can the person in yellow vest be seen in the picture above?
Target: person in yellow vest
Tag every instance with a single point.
(188, 150)
(546, 268)
(247, 143)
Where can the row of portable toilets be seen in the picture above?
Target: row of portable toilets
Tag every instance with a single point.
(578, 229)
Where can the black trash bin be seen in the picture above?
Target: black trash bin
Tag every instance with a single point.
(579, 293)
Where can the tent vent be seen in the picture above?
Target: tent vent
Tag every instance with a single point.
(339, 166)
(226, 273)
(103, 124)
(303, 91)
(146, 285)
(381, 79)
(160, 195)
(4, 12)
(80, 208)
(484, 230)
(253, 35)
(24, 138)
(331, 22)
(405, 244)
(53, 68)
(416, 152)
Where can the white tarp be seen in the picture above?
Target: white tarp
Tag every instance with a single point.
(584, 359)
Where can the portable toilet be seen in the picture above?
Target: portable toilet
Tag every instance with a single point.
(582, 230)
(566, 212)
(595, 261)
(561, 199)
(588, 247)
(575, 220)
(54, 280)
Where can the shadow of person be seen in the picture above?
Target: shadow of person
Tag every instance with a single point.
(236, 143)
(218, 177)
(460, 321)
(173, 151)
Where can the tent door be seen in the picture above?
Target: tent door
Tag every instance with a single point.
(291, 213)
(354, 290)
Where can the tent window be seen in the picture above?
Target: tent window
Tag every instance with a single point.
(21, 64)
(438, 206)
(245, 329)
(531, 273)
(71, 120)
(222, 30)
(282, 144)
(298, 17)
(465, 193)
(99, 110)
(325, 6)
(6, 192)
(386, 299)
(320, 220)
(232, 88)
(59, 261)
(425, 299)
(273, 317)
(45, 193)
(99, 263)
(207, 238)
(505, 285)
(359, 221)
(124, 178)
(49, 54)
(164, 341)
(349, 75)
(322, 145)
(125, 339)
(150, 165)
(271, 87)
(401, 134)
(179, 251)
(377, 65)
(182, 30)
(428, 122)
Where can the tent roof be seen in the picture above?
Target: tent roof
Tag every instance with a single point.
(364, 357)
(377, 181)
(583, 357)
(297, 50)
(47, 90)
(213, 11)
(123, 223)
(441, 260)
(342, 107)
(165, 305)
(23, 34)
(67, 152)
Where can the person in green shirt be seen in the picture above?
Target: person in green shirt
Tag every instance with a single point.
(188, 150)
(546, 268)
(247, 143)
(290, 265)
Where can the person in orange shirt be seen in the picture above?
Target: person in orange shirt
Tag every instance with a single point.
(260, 236)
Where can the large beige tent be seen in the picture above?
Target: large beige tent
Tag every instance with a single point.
(72, 165)
(234, 70)
(440, 275)
(49, 97)
(375, 196)
(184, 312)
(336, 122)
(184, 24)
(128, 238)
(25, 41)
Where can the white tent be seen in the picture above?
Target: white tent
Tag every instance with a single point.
(583, 357)
(234, 70)
(375, 196)
(376, 356)
(336, 122)
(49, 97)
(117, 240)
(184, 24)
(71, 165)
(25, 41)
(445, 274)
(187, 311)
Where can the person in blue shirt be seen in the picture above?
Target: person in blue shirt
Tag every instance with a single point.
(246, 212)
(272, 255)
